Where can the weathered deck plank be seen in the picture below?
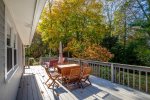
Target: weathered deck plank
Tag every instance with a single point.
(32, 87)
(20, 91)
(42, 87)
(62, 96)
(29, 88)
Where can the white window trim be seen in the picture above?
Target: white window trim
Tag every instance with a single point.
(16, 47)
(9, 74)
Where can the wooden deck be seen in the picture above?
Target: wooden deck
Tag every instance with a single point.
(32, 87)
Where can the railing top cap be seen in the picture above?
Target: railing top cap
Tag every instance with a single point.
(115, 64)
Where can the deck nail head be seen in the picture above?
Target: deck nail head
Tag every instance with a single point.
(42, 92)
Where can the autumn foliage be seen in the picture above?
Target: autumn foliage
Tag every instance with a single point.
(85, 50)
(96, 52)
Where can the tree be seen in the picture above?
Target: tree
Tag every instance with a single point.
(37, 48)
(69, 20)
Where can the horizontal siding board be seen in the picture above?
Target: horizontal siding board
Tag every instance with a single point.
(2, 7)
(2, 22)
(2, 45)
(1, 15)
(2, 28)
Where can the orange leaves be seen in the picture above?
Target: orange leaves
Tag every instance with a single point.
(96, 52)
(86, 51)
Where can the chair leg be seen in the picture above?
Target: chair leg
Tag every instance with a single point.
(89, 80)
(47, 81)
(86, 79)
(57, 84)
(53, 83)
(80, 84)
(50, 84)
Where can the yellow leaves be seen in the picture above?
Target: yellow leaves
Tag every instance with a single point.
(81, 19)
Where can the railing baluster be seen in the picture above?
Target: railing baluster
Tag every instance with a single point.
(119, 75)
(128, 76)
(115, 74)
(98, 70)
(139, 80)
(101, 71)
(133, 78)
(107, 72)
(94, 69)
(146, 83)
(123, 76)
(104, 73)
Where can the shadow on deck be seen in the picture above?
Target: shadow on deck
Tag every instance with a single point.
(32, 87)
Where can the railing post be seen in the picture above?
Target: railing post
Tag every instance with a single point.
(79, 62)
(112, 72)
(40, 61)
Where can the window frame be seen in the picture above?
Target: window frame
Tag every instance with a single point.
(9, 73)
(15, 47)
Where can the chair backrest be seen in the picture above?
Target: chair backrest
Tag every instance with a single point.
(65, 61)
(85, 65)
(86, 71)
(75, 72)
(47, 72)
(53, 62)
(65, 72)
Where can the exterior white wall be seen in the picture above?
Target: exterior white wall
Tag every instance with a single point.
(9, 82)
(8, 89)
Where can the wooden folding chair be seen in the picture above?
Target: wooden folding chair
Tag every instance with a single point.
(85, 64)
(52, 76)
(85, 76)
(73, 77)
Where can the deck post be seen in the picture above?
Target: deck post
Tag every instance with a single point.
(79, 62)
(112, 72)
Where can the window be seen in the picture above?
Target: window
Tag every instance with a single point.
(9, 49)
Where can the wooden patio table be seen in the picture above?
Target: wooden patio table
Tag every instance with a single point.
(65, 69)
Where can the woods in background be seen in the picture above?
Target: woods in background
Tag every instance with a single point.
(104, 30)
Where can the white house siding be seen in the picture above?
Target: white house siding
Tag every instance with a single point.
(2, 39)
(9, 87)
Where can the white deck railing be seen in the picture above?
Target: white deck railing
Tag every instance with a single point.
(137, 77)
(46, 59)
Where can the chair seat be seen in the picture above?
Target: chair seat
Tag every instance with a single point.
(54, 74)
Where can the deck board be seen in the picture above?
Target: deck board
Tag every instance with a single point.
(32, 87)
(29, 89)
(35, 88)
(20, 91)
(43, 89)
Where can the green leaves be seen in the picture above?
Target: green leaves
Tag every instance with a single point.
(82, 27)
(72, 19)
